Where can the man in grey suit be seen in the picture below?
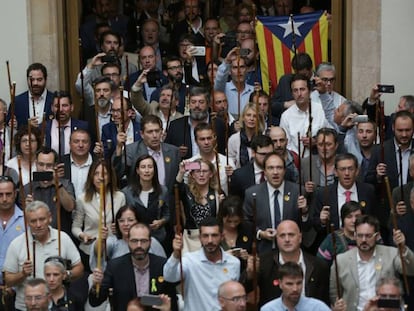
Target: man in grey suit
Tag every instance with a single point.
(360, 267)
(276, 200)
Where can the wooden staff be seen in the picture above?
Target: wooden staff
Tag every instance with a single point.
(12, 106)
(60, 129)
(169, 108)
(178, 230)
(58, 211)
(23, 203)
(29, 127)
(338, 289)
(33, 102)
(5, 290)
(187, 100)
(82, 98)
(401, 172)
(111, 298)
(101, 213)
(309, 135)
(256, 103)
(128, 85)
(9, 76)
(34, 254)
(254, 249)
(111, 186)
(238, 85)
(382, 130)
(122, 126)
(395, 227)
(325, 170)
(299, 166)
(220, 189)
(3, 155)
(42, 134)
(226, 134)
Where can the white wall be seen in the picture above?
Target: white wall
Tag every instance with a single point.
(397, 49)
(14, 48)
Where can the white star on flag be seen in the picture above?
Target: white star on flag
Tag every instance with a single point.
(288, 27)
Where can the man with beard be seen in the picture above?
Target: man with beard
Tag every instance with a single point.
(58, 130)
(181, 131)
(280, 141)
(35, 102)
(200, 288)
(165, 109)
(251, 58)
(132, 275)
(360, 267)
(291, 283)
(173, 70)
(43, 240)
(122, 130)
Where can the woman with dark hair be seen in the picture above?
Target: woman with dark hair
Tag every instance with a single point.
(22, 146)
(200, 198)
(237, 235)
(117, 245)
(86, 215)
(148, 197)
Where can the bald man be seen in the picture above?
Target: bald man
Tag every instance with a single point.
(232, 296)
(289, 238)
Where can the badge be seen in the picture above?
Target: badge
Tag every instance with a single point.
(245, 238)
(225, 270)
(161, 202)
(211, 197)
(363, 203)
(167, 159)
(153, 285)
(378, 267)
(18, 228)
(160, 279)
(287, 197)
(276, 282)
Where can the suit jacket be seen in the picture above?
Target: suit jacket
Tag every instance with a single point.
(316, 277)
(263, 220)
(316, 173)
(68, 165)
(178, 134)
(119, 275)
(366, 198)
(22, 106)
(74, 124)
(242, 179)
(110, 131)
(387, 263)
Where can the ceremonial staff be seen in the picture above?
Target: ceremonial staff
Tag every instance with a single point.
(12, 106)
(382, 130)
(61, 130)
(178, 230)
(9, 77)
(3, 155)
(111, 186)
(187, 100)
(254, 249)
(29, 127)
(101, 213)
(238, 85)
(325, 171)
(34, 254)
(395, 227)
(43, 130)
(299, 166)
(127, 76)
(82, 99)
(23, 204)
(226, 134)
(334, 253)
(33, 101)
(170, 106)
(220, 189)
(401, 172)
(256, 80)
(58, 211)
(122, 126)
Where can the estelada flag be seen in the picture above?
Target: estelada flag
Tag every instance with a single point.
(278, 36)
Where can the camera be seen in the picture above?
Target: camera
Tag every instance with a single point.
(360, 118)
(154, 78)
(109, 58)
(244, 52)
(199, 51)
(229, 40)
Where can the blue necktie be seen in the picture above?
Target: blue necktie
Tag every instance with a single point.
(277, 208)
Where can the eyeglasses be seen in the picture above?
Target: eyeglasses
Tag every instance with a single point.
(236, 299)
(367, 236)
(111, 75)
(37, 298)
(175, 68)
(326, 80)
(136, 241)
(199, 172)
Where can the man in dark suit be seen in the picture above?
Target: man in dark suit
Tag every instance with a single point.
(124, 273)
(122, 130)
(316, 271)
(329, 200)
(181, 134)
(58, 131)
(252, 173)
(35, 102)
(276, 200)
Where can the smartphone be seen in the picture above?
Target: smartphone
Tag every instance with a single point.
(389, 303)
(384, 88)
(236, 251)
(42, 176)
(191, 166)
(151, 300)
(360, 118)
(244, 52)
(199, 51)
(153, 78)
(108, 58)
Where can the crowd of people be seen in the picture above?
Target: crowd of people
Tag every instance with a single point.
(184, 186)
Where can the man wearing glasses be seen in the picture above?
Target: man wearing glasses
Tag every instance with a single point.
(232, 296)
(360, 267)
(36, 295)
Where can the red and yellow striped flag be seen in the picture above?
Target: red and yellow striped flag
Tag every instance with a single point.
(276, 37)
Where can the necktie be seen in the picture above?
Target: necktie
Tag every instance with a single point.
(262, 178)
(348, 196)
(62, 140)
(277, 208)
